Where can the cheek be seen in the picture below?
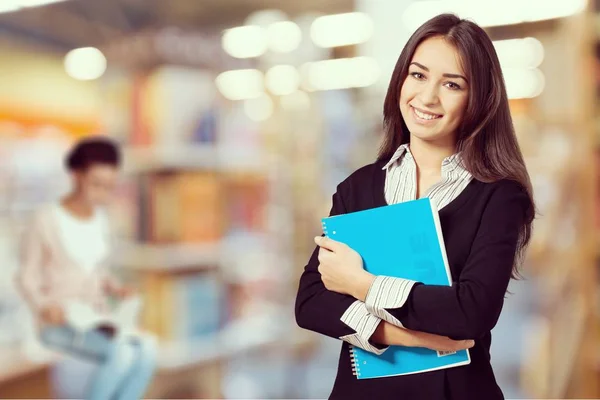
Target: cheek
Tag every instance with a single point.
(406, 93)
(457, 107)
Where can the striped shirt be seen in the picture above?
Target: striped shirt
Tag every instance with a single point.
(401, 179)
(387, 292)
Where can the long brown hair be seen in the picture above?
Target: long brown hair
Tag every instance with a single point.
(486, 136)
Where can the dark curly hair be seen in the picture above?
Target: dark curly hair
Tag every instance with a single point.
(93, 151)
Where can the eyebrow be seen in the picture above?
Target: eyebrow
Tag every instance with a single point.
(444, 75)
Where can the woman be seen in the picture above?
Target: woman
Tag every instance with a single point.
(64, 259)
(449, 136)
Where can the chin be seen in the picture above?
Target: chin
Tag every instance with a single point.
(430, 137)
(422, 134)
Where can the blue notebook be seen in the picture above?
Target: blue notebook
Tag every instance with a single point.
(405, 241)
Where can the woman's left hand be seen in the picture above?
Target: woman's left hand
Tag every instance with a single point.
(341, 269)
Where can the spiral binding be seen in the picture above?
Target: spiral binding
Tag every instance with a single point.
(324, 228)
(354, 363)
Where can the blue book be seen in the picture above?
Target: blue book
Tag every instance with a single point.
(404, 241)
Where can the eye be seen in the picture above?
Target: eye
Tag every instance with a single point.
(452, 86)
(417, 75)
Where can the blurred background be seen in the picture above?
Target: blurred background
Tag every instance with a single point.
(237, 120)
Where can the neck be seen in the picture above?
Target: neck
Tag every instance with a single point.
(76, 205)
(429, 156)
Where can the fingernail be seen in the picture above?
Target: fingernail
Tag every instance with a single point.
(317, 239)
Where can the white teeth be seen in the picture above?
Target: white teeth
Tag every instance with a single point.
(424, 115)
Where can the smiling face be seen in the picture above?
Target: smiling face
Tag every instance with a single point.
(434, 95)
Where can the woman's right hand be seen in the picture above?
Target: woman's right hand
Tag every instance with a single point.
(439, 343)
(53, 315)
(388, 334)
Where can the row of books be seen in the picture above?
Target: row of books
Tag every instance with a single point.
(168, 105)
(185, 306)
(189, 207)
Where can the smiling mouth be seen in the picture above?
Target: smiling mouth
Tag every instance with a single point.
(425, 116)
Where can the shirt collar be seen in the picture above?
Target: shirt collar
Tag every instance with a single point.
(397, 155)
(404, 149)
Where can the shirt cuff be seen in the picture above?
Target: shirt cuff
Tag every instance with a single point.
(358, 318)
(388, 293)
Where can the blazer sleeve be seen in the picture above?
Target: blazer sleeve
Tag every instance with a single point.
(332, 314)
(471, 307)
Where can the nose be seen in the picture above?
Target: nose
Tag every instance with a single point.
(429, 95)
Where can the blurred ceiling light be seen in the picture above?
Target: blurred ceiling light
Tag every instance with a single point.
(304, 72)
(14, 5)
(492, 13)
(85, 63)
(282, 79)
(245, 41)
(296, 101)
(366, 71)
(260, 108)
(520, 53)
(305, 21)
(342, 73)
(9, 6)
(240, 84)
(284, 36)
(264, 18)
(523, 83)
(341, 29)
(307, 50)
(36, 3)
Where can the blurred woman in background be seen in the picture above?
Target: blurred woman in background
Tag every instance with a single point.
(64, 259)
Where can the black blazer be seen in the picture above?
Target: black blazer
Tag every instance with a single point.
(480, 229)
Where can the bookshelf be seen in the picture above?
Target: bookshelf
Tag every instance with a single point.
(556, 134)
(200, 289)
(196, 217)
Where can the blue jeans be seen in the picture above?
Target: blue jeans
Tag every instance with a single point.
(126, 365)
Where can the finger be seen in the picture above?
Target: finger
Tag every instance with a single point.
(327, 243)
(326, 283)
(324, 255)
(321, 255)
(462, 345)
